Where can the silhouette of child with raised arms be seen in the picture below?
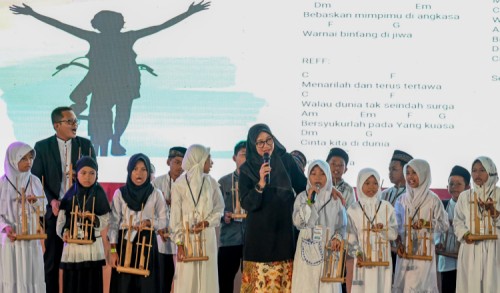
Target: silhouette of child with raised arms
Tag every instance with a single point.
(113, 77)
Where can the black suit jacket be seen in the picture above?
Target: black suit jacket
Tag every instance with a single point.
(47, 163)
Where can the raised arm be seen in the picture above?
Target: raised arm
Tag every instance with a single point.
(27, 10)
(193, 8)
(304, 216)
(250, 197)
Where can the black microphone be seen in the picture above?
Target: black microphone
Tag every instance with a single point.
(313, 195)
(266, 158)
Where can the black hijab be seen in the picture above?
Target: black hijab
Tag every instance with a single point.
(279, 174)
(81, 193)
(136, 196)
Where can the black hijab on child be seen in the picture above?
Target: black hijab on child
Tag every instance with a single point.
(101, 205)
(136, 196)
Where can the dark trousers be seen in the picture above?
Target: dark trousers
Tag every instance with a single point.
(83, 280)
(52, 255)
(448, 281)
(228, 262)
(167, 270)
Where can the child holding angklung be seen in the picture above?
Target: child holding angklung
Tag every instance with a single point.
(478, 267)
(140, 201)
(315, 212)
(82, 263)
(21, 261)
(421, 208)
(197, 205)
(371, 213)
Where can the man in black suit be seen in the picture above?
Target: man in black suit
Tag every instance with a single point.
(55, 157)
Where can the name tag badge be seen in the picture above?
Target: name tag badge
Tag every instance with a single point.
(317, 234)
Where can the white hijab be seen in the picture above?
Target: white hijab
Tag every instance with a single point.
(325, 192)
(327, 207)
(193, 163)
(484, 191)
(416, 196)
(363, 175)
(15, 152)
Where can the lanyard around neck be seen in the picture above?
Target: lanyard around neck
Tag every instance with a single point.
(376, 212)
(15, 187)
(195, 202)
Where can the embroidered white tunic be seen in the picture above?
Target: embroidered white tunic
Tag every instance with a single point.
(325, 213)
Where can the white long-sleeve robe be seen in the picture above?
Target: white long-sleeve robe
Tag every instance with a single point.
(197, 276)
(419, 275)
(371, 279)
(21, 261)
(478, 268)
(325, 213)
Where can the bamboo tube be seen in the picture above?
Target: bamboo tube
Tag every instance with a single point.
(410, 240)
(128, 247)
(326, 263)
(340, 264)
(142, 258)
(477, 227)
(93, 218)
(82, 219)
(75, 223)
(24, 216)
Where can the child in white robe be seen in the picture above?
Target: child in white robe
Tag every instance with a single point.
(421, 205)
(478, 268)
(21, 261)
(196, 199)
(316, 210)
(370, 211)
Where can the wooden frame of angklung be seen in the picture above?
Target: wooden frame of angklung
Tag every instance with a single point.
(80, 229)
(381, 259)
(23, 229)
(238, 212)
(421, 254)
(140, 265)
(194, 244)
(481, 224)
(335, 261)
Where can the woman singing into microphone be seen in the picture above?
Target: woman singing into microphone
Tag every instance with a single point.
(269, 240)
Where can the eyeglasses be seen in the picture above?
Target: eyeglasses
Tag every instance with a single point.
(260, 143)
(70, 121)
